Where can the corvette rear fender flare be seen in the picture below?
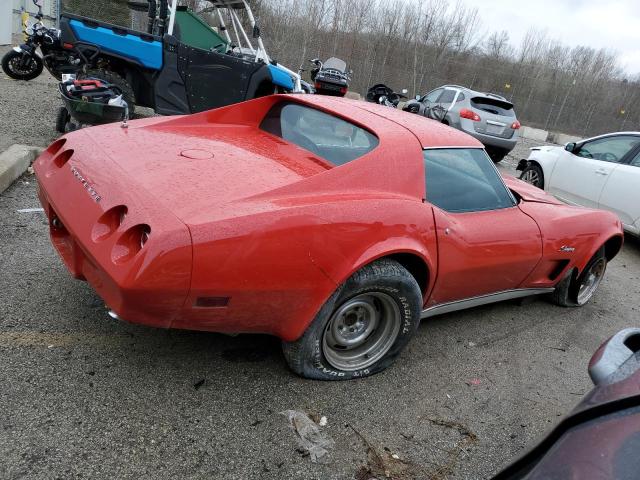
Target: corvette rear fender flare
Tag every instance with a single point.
(414, 258)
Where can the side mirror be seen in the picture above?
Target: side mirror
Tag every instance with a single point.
(418, 98)
(570, 147)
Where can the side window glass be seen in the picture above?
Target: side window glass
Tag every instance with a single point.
(447, 97)
(464, 180)
(461, 97)
(432, 96)
(610, 149)
(636, 161)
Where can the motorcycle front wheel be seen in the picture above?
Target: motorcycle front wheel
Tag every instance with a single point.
(21, 68)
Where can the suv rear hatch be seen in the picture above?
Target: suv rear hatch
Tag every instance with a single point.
(496, 116)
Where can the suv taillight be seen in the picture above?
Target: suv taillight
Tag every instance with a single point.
(515, 125)
(466, 113)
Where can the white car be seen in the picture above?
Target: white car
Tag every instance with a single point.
(601, 172)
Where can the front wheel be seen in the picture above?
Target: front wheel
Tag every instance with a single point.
(21, 66)
(533, 174)
(576, 291)
(363, 326)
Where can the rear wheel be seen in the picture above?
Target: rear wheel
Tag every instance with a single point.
(21, 66)
(497, 154)
(576, 291)
(121, 86)
(363, 326)
(533, 174)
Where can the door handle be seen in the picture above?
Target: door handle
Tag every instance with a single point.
(601, 171)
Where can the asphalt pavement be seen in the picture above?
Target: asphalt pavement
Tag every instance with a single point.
(84, 396)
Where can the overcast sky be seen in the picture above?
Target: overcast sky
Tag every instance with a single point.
(613, 24)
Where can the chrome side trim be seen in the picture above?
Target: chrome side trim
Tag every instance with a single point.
(113, 315)
(483, 300)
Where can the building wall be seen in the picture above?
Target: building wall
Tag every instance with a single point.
(48, 10)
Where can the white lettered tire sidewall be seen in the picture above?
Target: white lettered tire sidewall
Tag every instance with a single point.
(305, 355)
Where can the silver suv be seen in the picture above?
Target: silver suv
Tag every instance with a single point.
(488, 117)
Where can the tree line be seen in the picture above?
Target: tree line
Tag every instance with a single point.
(422, 45)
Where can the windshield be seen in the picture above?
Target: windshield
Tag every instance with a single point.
(336, 64)
(464, 180)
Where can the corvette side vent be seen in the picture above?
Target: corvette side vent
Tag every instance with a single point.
(558, 269)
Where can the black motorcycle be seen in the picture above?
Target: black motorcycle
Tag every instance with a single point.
(24, 63)
(331, 77)
(384, 95)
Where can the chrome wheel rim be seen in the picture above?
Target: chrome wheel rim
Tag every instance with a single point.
(591, 281)
(361, 331)
(532, 177)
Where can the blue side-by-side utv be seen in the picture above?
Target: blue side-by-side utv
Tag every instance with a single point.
(180, 64)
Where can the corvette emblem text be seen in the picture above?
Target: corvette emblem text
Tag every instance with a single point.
(86, 185)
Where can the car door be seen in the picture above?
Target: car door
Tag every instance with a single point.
(429, 100)
(446, 98)
(621, 193)
(486, 244)
(580, 176)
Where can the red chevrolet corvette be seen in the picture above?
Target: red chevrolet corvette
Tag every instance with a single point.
(333, 224)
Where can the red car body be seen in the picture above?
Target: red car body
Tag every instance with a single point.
(207, 222)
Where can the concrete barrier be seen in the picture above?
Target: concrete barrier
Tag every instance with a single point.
(534, 134)
(14, 161)
(562, 139)
(540, 135)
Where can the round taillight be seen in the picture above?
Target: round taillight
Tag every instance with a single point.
(55, 147)
(130, 243)
(62, 158)
(108, 223)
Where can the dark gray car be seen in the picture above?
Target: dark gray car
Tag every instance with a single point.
(488, 117)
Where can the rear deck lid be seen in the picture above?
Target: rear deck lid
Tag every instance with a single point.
(197, 169)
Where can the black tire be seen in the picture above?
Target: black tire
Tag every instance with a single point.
(497, 154)
(118, 82)
(568, 291)
(533, 175)
(11, 58)
(62, 118)
(384, 281)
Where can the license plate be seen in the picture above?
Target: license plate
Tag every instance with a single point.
(330, 86)
(494, 129)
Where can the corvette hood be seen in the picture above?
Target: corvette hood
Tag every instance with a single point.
(194, 169)
(528, 192)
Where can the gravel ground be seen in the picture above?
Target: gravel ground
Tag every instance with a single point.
(82, 396)
(28, 110)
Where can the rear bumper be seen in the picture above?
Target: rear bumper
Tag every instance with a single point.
(146, 285)
(496, 142)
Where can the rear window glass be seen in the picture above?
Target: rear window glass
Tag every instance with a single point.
(493, 105)
(329, 137)
(464, 180)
